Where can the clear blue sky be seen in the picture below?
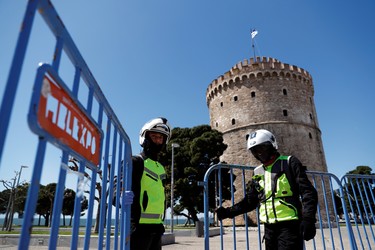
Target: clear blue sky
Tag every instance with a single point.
(156, 58)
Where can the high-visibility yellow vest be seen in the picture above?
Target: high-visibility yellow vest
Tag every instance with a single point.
(152, 195)
(275, 192)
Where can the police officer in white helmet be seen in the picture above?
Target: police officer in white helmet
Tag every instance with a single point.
(276, 188)
(148, 181)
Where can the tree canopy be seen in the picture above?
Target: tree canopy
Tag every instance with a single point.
(199, 147)
(359, 198)
(366, 170)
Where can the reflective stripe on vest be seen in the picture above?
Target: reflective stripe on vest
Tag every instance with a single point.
(152, 193)
(274, 190)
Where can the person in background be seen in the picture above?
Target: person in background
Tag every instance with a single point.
(286, 198)
(148, 181)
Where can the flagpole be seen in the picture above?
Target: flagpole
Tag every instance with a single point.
(253, 33)
(253, 46)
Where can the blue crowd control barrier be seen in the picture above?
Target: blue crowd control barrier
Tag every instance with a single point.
(95, 141)
(342, 205)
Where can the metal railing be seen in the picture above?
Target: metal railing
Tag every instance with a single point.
(343, 204)
(94, 139)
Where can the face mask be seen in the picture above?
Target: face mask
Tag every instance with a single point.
(151, 149)
(263, 152)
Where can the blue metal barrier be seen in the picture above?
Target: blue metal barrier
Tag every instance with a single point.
(360, 199)
(58, 117)
(338, 200)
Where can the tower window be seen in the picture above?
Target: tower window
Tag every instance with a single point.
(285, 92)
(233, 121)
(310, 136)
(285, 112)
(235, 98)
(221, 104)
(311, 117)
(253, 94)
(217, 125)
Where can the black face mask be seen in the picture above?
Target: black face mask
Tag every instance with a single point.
(263, 152)
(151, 149)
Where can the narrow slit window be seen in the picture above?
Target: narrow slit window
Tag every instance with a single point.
(285, 112)
(233, 121)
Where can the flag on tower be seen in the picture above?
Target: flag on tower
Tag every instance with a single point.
(254, 32)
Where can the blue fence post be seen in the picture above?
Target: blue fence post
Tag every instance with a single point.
(57, 204)
(15, 72)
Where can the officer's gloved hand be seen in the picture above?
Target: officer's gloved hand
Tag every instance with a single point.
(128, 199)
(222, 213)
(308, 229)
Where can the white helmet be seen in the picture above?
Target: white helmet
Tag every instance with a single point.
(159, 125)
(261, 136)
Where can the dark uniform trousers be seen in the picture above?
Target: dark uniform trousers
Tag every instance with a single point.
(283, 236)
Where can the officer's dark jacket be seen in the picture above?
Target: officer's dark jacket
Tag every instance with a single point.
(303, 191)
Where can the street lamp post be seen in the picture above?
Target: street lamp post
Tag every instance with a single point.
(174, 145)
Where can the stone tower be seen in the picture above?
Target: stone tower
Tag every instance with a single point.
(266, 93)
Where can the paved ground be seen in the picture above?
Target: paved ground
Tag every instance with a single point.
(197, 243)
(181, 243)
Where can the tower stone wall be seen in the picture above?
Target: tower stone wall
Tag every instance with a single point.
(264, 93)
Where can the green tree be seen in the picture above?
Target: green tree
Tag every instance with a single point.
(44, 206)
(69, 202)
(4, 198)
(200, 147)
(366, 170)
(360, 190)
(20, 202)
(12, 200)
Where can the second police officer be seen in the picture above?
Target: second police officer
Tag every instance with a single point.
(286, 198)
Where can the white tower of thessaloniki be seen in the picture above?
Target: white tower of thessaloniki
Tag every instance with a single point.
(266, 94)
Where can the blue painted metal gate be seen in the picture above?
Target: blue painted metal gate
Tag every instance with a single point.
(95, 141)
(345, 215)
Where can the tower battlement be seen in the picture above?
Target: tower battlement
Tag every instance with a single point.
(257, 69)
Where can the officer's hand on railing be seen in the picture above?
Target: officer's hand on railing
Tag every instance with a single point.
(128, 199)
(222, 213)
(308, 229)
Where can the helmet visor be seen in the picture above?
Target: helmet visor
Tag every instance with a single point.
(161, 128)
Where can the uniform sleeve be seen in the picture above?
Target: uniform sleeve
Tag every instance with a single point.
(136, 188)
(248, 203)
(306, 190)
